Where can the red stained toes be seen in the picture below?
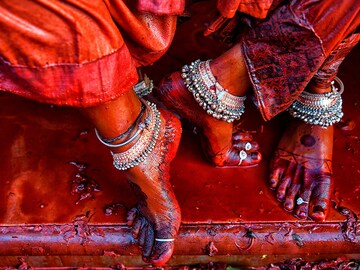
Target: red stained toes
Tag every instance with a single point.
(249, 146)
(302, 214)
(162, 253)
(256, 157)
(318, 213)
(242, 136)
(318, 216)
(131, 216)
(289, 204)
(148, 243)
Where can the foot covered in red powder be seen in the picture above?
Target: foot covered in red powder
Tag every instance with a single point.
(222, 145)
(301, 170)
(156, 220)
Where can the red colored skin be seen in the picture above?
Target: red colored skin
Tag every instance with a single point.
(302, 167)
(221, 142)
(158, 213)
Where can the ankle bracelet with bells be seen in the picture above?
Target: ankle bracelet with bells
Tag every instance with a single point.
(210, 95)
(147, 131)
(319, 109)
(144, 87)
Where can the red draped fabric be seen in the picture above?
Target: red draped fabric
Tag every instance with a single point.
(80, 52)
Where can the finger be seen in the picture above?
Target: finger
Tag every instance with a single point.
(293, 189)
(320, 198)
(131, 216)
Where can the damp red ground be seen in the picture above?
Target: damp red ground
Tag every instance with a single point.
(64, 205)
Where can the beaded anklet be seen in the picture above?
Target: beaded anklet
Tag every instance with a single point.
(147, 131)
(319, 109)
(209, 93)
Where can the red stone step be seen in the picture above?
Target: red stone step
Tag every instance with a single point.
(50, 219)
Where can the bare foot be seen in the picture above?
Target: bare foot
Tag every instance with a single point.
(221, 144)
(301, 170)
(158, 213)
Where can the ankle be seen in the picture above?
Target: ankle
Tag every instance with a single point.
(231, 72)
(134, 147)
(318, 89)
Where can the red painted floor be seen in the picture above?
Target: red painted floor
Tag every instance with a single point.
(64, 205)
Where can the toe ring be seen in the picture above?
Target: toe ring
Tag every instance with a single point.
(164, 239)
(242, 156)
(300, 201)
(248, 146)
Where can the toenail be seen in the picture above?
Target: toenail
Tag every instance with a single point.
(318, 216)
(287, 206)
(318, 209)
(302, 214)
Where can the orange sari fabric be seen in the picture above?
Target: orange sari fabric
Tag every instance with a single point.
(80, 52)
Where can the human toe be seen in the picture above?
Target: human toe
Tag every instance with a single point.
(282, 188)
(246, 145)
(245, 158)
(162, 252)
(239, 135)
(319, 208)
(131, 215)
(148, 243)
(302, 205)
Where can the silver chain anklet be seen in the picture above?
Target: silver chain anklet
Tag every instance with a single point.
(144, 145)
(210, 95)
(319, 109)
(144, 87)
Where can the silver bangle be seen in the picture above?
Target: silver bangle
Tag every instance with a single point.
(140, 128)
(319, 109)
(144, 145)
(209, 93)
(137, 133)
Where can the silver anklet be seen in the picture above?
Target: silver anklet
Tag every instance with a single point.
(319, 109)
(210, 95)
(140, 127)
(122, 135)
(144, 145)
(144, 87)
